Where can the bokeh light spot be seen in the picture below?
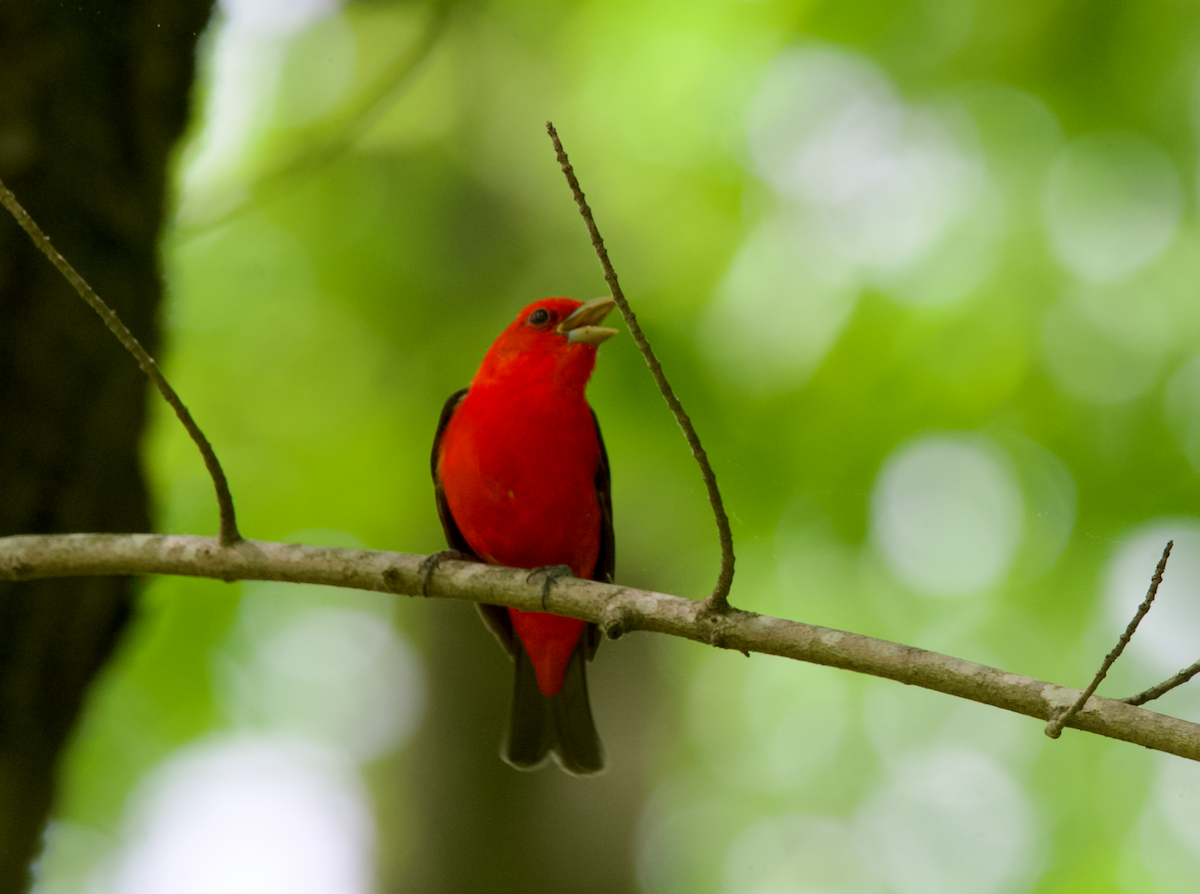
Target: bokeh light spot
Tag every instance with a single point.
(952, 821)
(1175, 795)
(339, 676)
(1165, 841)
(1168, 638)
(249, 816)
(884, 182)
(247, 61)
(277, 16)
(947, 512)
(776, 312)
(1112, 203)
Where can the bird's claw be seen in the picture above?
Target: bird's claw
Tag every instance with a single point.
(430, 563)
(549, 574)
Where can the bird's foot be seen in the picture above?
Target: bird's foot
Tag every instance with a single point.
(430, 564)
(549, 574)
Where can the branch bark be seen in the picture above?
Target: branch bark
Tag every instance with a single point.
(616, 609)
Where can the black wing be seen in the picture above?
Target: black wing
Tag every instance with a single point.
(454, 536)
(494, 616)
(606, 559)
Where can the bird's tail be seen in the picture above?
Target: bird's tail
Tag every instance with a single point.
(559, 724)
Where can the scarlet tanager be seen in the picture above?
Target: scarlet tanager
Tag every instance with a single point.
(522, 480)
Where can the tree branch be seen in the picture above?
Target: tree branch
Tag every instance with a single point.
(616, 609)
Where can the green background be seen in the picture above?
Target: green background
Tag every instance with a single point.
(924, 275)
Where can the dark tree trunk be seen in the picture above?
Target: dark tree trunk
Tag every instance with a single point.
(93, 96)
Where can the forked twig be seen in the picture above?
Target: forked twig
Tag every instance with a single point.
(1055, 727)
(718, 601)
(228, 531)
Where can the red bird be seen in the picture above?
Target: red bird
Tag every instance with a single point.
(522, 480)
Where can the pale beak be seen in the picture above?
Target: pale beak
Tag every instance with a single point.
(580, 327)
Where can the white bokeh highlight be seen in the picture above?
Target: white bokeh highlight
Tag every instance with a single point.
(779, 309)
(1112, 203)
(1165, 841)
(1168, 638)
(947, 514)
(1176, 793)
(245, 69)
(249, 815)
(277, 17)
(886, 182)
(338, 676)
(952, 821)
(870, 192)
(249, 51)
(313, 682)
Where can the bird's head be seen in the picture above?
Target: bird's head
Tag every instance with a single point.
(554, 339)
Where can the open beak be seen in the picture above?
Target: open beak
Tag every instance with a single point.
(580, 327)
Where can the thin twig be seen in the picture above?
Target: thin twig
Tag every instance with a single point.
(1055, 727)
(228, 531)
(1164, 687)
(718, 601)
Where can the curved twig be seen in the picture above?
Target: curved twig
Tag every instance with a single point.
(718, 601)
(228, 531)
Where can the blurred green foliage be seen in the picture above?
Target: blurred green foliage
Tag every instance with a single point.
(923, 273)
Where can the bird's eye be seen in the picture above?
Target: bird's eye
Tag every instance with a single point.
(539, 317)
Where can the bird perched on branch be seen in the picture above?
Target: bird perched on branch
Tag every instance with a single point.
(522, 480)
